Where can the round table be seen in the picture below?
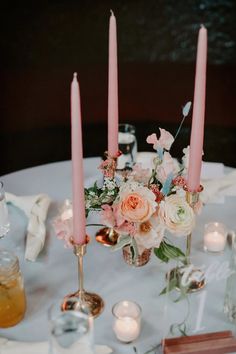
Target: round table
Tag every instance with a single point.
(54, 274)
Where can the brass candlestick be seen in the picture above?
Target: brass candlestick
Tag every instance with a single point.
(91, 302)
(195, 276)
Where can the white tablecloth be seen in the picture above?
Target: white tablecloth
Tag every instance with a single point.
(54, 274)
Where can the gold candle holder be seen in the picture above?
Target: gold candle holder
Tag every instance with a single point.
(196, 276)
(90, 302)
(192, 199)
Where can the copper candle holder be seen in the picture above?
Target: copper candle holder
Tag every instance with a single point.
(90, 302)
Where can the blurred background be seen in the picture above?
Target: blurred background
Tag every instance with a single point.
(43, 42)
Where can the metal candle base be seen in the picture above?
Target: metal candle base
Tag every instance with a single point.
(194, 283)
(88, 302)
(107, 236)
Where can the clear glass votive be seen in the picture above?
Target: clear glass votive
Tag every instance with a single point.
(71, 331)
(127, 320)
(4, 221)
(12, 294)
(128, 146)
(215, 237)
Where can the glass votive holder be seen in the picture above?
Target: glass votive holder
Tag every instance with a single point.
(127, 320)
(128, 146)
(71, 330)
(12, 293)
(215, 237)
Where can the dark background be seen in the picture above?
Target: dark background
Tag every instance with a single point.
(43, 42)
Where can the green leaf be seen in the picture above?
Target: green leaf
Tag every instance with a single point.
(134, 246)
(123, 241)
(160, 254)
(166, 251)
(171, 286)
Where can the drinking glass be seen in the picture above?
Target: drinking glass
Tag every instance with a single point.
(71, 331)
(12, 294)
(128, 146)
(4, 221)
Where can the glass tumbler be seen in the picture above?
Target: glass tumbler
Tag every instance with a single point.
(12, 294)
(4, 221)
(71, 331)
(128, 146)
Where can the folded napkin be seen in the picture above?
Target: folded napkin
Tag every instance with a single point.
(222, 186)
(15, 347)
(35, 208)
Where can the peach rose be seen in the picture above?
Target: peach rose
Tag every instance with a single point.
(137, 203)
(177, 215)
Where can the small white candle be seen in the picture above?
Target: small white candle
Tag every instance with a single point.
(127, 321)
(126, 329)
(215, 237)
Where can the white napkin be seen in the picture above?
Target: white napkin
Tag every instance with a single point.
(35, 207)
(222, 186)
(216, 184)
(15, 347)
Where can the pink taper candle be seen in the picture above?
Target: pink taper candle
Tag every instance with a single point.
(77, 166)
(112, 89)
(197, 131)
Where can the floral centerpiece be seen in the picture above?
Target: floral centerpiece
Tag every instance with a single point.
(142, 205)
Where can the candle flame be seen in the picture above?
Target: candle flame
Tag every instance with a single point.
(112, 13)
(75, 75)
(202, 25)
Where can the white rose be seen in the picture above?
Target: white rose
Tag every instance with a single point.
(177, 215)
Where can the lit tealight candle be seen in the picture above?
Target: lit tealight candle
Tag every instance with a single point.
(215, 237)
(127, 321)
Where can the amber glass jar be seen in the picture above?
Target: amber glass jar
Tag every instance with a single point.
(12, 294)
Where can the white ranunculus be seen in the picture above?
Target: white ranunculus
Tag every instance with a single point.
(176, 214)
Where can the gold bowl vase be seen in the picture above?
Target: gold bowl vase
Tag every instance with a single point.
(140, 260)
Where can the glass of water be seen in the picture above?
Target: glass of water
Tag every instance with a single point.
(71, 331)
(4, 221)
(128, 146)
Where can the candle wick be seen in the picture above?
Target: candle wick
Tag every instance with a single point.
(112, 13)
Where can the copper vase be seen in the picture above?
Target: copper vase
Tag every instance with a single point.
(140, 260)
